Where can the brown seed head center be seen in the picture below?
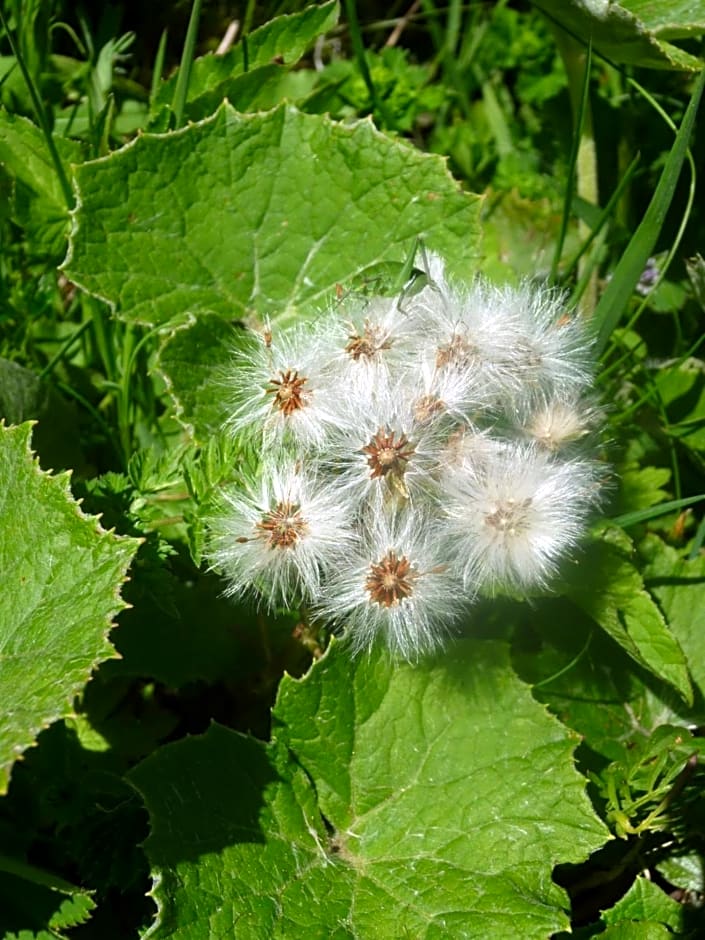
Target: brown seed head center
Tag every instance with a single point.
(288, 391)
(388, 453)
(390, 580)
(457, 352)
(427, 407)
(368, 343)
(282, 526)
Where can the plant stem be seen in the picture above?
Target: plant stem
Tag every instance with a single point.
(575, 61)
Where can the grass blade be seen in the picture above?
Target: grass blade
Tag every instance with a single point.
(653, 512)
(187, 56)
(627, 273)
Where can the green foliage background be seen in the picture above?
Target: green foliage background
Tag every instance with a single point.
(176, 765)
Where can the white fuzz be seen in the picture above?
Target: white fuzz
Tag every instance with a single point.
(552, 348)
(397, 588)
(446, 439)
(435, 395)
(367, 340)
(469, 331)
(512, 518)
(518, 340)
(278, 390)
(558, 425)
(279, 536)
(387, 456)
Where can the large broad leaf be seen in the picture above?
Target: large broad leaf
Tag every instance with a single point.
(675, 19)
(427, 801)
(239, 73)
(610, 589)
(630, 32)
(61, 575)
(257, 214)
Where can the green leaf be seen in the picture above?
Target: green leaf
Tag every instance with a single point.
(257, 214)
(627, 930)
(239, 74)
(678, 584)
(192, 361)
(684, 871)
(424, 801)
(610, 589)
(162, 642)
(61, 579)
(618, 32)
(676, 19)
(682, 391)
(587, 680)
(34, 900)
(641, 488)
(23, 397)
(645, 901)
(39, 202)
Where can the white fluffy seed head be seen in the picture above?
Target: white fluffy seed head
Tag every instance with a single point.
(397, 588)
(388, 457)
(513, 518)
(279, 392)
(278, 536)
(518, 340)
(367, 341)
(558, 425)
(444, 436)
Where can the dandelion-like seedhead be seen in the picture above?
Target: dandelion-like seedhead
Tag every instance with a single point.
(279, 535)
(416, 452)
(278, 392)
(397, 587)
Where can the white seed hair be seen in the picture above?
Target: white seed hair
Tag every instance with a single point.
(254, 555)
(512, 518)
(409, 624)
(415, 451)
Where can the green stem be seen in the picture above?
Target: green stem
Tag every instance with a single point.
(576, 61)
(359, 50)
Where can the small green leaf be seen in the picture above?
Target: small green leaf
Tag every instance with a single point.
(192, 362)
(679, 586)
(241, 72)
(641, 488)
(645, 901)
(38, 904)
(61, 579)
(24, 397)
(610, 589)
(426, 801)
(257, 214)
(684, 871)
(682, 391)
(628, 33)
(39, 202)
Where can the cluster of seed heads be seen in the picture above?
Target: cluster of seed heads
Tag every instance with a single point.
(416, 452)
